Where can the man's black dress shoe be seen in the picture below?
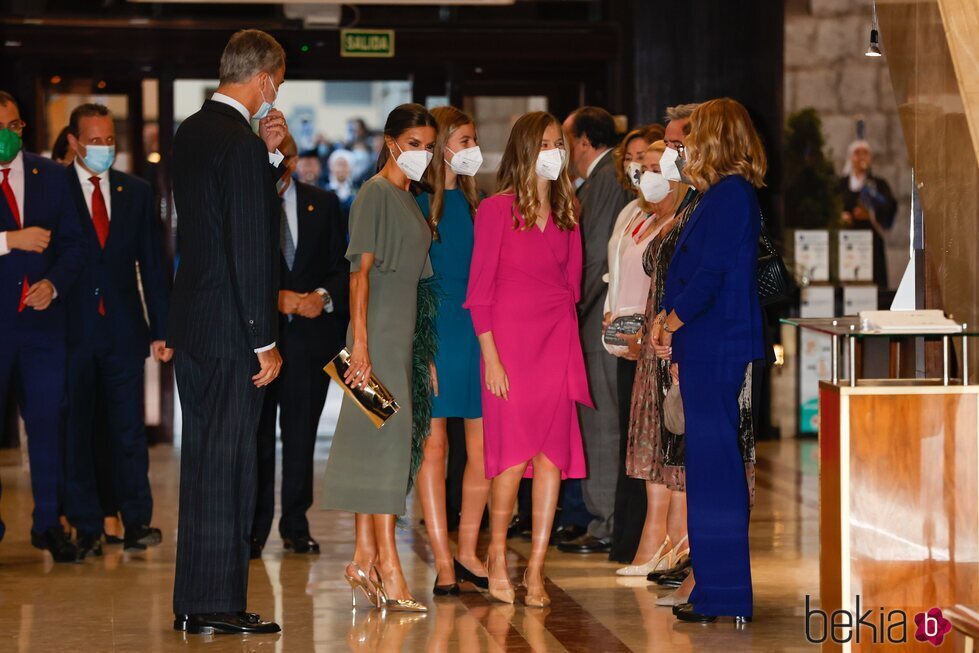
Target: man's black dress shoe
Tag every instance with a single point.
(520, 526)
(568, 533)
(685, 612)
(89, 545)
(585, 544)
(57, 543)
(113, 539)
(680, 567)
(256, 550)
(301, 543)
(224, 623)
(673, 580)
(138, 538)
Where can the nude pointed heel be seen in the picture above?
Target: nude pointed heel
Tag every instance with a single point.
(502, 592)
(661, 561)
(535, 599)
(360, 580)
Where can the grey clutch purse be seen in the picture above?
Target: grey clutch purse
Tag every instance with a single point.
(374, 399)
(673, 418)
(623, 325)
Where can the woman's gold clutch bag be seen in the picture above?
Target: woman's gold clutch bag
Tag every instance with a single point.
(374, 399)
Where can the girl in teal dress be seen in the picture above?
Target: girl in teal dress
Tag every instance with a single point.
(449, 209)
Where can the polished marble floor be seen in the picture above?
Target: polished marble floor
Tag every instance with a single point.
(121, 602)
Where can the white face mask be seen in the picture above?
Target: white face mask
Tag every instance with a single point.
(466, 162)
(654, 186)
(633, 170)
(266, 105)
(668, 164)
(550, 163)
(413, 162)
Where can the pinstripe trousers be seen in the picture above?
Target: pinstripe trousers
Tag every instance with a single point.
(218, 475)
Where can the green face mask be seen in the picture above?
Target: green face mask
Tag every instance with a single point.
(10, 143)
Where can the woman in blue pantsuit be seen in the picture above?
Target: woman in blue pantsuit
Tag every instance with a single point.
(711, 326)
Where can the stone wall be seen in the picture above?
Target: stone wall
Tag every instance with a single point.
(825, 68)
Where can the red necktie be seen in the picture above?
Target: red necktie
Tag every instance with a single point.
(100, 220)
(8, 192)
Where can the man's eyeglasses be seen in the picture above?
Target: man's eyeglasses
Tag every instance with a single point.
(16, 126)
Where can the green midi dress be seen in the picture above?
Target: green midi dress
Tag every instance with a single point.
(367, 471)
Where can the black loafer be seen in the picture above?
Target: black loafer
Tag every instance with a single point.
(585, 544)
(138, 538)
(89, 545)
(56, 543)
(301, 543)
(654, 576)
(255, 552)
(224, 623)
(568, 533)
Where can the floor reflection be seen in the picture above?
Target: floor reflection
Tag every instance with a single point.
(122, 602)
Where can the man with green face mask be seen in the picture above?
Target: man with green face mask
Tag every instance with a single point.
(40, 257)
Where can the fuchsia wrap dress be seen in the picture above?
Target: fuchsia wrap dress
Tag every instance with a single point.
(523, 286)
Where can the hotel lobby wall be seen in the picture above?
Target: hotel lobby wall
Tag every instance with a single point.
(933, 59)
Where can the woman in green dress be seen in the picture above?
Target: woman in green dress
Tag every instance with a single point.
(368, 468)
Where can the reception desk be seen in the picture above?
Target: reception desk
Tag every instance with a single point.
(899, 500)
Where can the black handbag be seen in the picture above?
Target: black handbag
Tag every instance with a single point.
(775, 284)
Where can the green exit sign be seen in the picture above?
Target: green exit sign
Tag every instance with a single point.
(367, 43)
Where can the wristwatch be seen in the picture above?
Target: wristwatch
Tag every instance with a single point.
(327, 300)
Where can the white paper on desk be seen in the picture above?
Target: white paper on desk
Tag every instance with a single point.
(925, 321)
(856, 255)
(812, 254)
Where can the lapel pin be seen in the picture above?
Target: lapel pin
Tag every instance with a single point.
(118, 189)
(310, 208)
(34, 171)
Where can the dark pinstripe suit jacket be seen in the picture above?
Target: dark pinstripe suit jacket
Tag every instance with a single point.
(225, 292)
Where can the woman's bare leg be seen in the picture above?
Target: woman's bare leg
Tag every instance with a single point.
(388, 562)
(475, 492)
(676, 522)
(503, 497)
(431, 492)
(547, 487)
(654, 528)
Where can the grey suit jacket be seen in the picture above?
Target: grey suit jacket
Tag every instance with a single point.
(601, 198)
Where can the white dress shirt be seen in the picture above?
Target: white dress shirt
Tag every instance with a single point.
(88, 188)
(16, 181)
(275, 158)
(290, 203)
(591, 168)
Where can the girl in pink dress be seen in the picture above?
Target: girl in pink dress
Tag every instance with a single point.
(524, 283)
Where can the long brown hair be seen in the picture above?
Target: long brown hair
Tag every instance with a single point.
(650, 134)
(402, 118)
(723, 142)
(449, 119)
(518, 173)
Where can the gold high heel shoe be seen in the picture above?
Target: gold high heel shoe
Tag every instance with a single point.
(395, 605)
(678, 553)
(661, 561)
(360, 580)
(502, 592)
(535, 599)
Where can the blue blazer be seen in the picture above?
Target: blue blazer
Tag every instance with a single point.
(711, 282)
(110, 274)
(47, 204)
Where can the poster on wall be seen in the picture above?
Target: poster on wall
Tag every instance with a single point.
(812, 254)
(859, 298)
(856, 255)
(815, 355)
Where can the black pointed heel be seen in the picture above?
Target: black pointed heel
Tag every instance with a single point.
(463, 574)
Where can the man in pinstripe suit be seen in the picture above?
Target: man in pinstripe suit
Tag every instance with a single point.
(223, 327)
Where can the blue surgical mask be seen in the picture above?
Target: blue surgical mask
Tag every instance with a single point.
(266, 105)
(99, 158)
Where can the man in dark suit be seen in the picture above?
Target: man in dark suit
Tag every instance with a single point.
(313, 288)
(108, 337)
(223, 327)
(40, 258)
(592, 135)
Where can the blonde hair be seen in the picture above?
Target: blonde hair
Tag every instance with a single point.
(518, 173)
(449, 119)
(648, 133)
(723, 142)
